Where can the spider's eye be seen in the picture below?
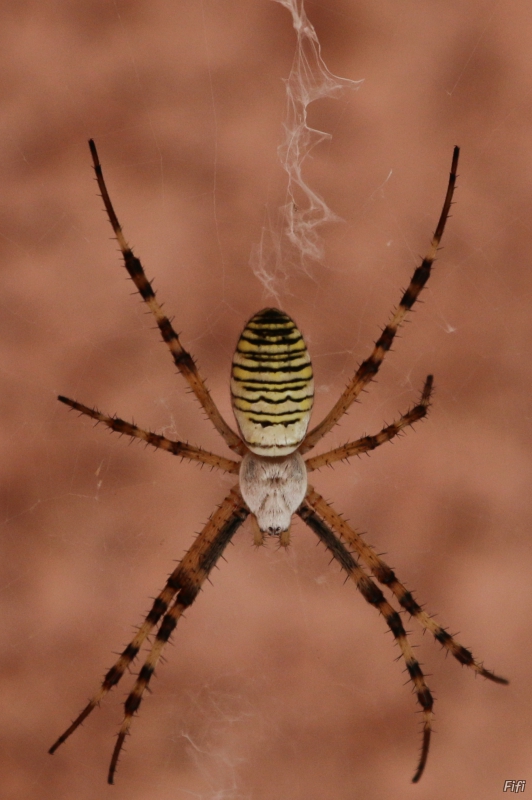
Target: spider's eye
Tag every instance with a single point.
(272, 385)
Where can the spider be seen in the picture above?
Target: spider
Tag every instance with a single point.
(272, 394)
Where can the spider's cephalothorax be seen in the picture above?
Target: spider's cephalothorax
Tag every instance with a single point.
(272, 391)
(273, 489)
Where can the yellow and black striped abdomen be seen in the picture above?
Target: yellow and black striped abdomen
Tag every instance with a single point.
(272, 386)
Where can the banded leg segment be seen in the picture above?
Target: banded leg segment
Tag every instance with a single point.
(183, 361)
(386, 576)
(373, 595)
(369, 368)
(194, 568)
(367, 443)
(176, 448)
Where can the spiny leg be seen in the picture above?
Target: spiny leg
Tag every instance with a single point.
(196, 566)
(373, 595)
(202, 549)
(258, 535)
(367, 443)
(369, 368)
(386, 576)
(176, 448)
(183, 361)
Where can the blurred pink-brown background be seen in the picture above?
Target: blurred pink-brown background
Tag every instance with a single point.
(281, 682)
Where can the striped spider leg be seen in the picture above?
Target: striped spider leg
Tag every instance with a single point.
(183, 361)
(373, 595)
(328, 517)
(154, 439)
(185, 581)
(367, 443)
(369, 368)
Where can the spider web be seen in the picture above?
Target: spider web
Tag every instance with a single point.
(305, 210)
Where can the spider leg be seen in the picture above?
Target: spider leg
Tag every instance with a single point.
(258, 535)
(195, 568)
(186, 580)
(369, 368)
(176, 448)
(373, 595)
(367, 443)
(386, 576)
(183, 361)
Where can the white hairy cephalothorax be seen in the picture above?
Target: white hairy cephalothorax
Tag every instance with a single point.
(273, 489)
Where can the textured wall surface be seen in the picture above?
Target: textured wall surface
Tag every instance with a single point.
(281, 681)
